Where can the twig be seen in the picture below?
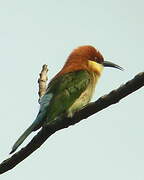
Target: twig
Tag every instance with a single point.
(42, 81)
(103, 102)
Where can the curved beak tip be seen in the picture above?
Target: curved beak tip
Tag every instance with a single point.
(110, 64)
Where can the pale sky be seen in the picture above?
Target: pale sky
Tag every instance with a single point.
(108, 145)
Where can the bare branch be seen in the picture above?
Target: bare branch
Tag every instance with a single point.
(94, 107)
(42, 81)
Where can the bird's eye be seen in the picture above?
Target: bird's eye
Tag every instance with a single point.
(97, 60)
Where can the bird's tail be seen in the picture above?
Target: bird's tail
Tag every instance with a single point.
(22, 138)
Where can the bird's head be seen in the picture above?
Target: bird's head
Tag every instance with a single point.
(89, 58)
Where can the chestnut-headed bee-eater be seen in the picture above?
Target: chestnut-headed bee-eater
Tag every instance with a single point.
(71, 89)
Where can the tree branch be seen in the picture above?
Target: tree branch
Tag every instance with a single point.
(42, 81)
(92, 108)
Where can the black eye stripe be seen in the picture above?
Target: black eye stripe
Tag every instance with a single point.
(96, 59)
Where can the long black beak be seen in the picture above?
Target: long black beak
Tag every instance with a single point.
(110, 64)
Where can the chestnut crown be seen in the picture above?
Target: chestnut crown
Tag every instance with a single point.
(89, 53)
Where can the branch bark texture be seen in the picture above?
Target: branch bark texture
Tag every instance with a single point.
(103, 102)
(42, 81)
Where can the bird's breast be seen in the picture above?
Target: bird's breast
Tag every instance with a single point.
(85, 96)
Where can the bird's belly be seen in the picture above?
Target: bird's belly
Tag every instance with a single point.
(85, 97)
(83, 100)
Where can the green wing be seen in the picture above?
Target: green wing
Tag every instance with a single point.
(61, 94)
(65, 90)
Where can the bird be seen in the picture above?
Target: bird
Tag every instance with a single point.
(71, 88)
